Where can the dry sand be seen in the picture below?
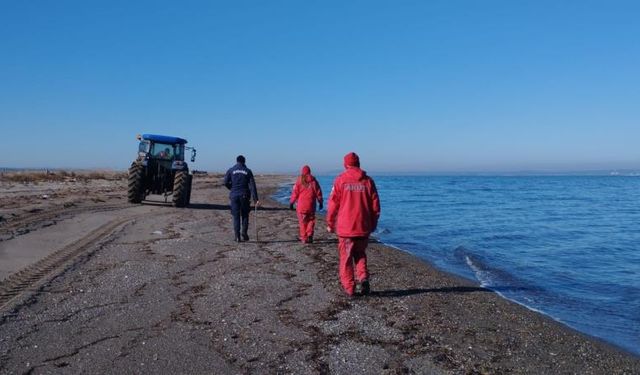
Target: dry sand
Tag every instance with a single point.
(156, 289)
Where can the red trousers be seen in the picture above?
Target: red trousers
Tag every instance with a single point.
(352, 253)
(307, 221)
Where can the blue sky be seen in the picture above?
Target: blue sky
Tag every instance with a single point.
(409, 85)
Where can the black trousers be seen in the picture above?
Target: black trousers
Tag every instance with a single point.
(240, 208)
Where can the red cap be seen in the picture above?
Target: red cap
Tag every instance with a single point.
(351, 160)
(305, 170)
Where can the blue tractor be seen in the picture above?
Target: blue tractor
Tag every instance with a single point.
(160, 169)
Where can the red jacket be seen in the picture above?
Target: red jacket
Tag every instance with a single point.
(306, 194)
(354, 206)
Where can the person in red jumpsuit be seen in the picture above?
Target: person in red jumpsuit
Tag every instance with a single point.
(306, 192)
(354, 209)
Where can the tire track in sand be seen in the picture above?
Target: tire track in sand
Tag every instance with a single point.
(32, 277)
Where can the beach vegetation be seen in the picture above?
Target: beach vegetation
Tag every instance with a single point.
(42, 176)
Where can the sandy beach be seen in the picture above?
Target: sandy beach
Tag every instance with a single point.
(111, 287)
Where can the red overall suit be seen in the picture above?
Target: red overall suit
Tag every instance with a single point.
(354, 209)
(306, 192)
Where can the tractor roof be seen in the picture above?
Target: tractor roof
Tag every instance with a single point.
(164, 139)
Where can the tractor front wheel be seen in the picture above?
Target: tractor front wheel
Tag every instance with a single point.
(181, 189)
(135, 191)
(189, 187)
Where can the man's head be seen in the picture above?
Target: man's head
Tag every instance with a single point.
(305, 170)
(351, 160)
(240, 159)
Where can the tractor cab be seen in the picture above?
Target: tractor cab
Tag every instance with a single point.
(164, 147)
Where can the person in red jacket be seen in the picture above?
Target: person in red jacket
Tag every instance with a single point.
(354, 209)
(306, 192)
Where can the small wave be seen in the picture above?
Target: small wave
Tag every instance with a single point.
(495, 278)
(487, 281)
(483, 277)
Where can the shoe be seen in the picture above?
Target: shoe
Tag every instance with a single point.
(237, 239)
(310, 239)
(365, 288)
(245, 237)
(350, 297)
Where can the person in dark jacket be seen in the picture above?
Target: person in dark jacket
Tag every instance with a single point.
(306, 191)
(354, 209)
(239, 180)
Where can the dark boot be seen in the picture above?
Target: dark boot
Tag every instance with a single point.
(245, 229)
(365, 288)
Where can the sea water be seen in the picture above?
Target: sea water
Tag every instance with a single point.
(566, 246)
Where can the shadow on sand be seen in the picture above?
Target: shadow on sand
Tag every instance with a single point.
(208, 206)
(278, 241)
(410, 292)
(315, 242)
(262, 208)
(324, 242)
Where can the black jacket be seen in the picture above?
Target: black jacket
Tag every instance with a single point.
(239, 179)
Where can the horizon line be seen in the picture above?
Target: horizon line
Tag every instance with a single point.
(515, 172)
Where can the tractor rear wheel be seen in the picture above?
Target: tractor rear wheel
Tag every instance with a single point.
(135, 191)
(180, 189)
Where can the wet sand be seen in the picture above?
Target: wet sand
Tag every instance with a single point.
(166, 290)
